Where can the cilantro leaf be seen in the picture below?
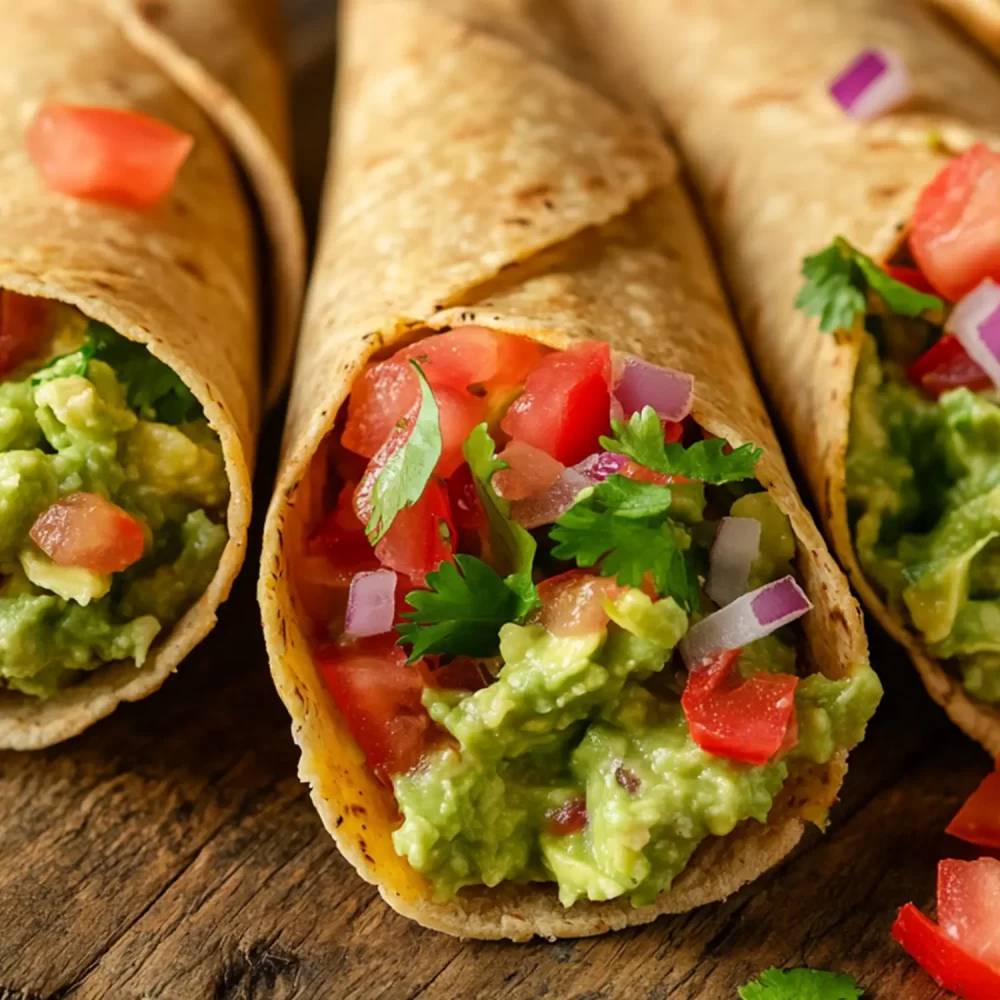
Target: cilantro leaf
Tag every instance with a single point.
(512, 547)
(620, 526)
(837, 280)
(801, 984)
(151, 387)
(402, 480)
(461, 613)
(641, 439)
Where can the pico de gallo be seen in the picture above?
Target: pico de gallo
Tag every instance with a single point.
(560, 619)
(113, 495)
(923, 480)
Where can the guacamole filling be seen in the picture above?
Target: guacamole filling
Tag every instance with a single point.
(113, 495)
(923, 483)
(500, 611)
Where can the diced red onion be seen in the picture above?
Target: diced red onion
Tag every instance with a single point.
(553, 503)
(747, 619)
(874, 83)
(371, 603)
(530, 472)
(737, 542)
(598, 467)
(639, 384)
(976, 323)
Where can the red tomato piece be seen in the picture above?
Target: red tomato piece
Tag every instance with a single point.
(978, 821)
(911, 276)
(465, 356)
(969, 906)
(107, 154)
(23, 328)
(748, 721)
(946, 365)
(387, 395)
(529, 471)
(954, 236)
(566, 403)
(465, 504)
(571, 817)
(380, 399)
(573, 603)
(943, 958)
(421, 536)
(458, 414)
(340, 538)
(86, 531)
(379, 697)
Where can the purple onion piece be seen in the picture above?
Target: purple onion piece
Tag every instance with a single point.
(747, 619)
(371, 603)
(736, 545)
(640, 384)
(553, 503)
(875, 82)
(976, 323)
(599, 466)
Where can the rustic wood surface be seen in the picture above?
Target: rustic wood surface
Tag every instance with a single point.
(171, 852)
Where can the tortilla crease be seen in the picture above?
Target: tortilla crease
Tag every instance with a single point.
(228, 55)
(981, 18)
(475, 183)
(782, 171)
(179, 278)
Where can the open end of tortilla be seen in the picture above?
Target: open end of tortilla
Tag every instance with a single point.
(178, 278)
(590, 285)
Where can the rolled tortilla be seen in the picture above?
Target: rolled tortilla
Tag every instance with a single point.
(572, 225)
(981, 18)
(782, 171)
(228, 55)
(179, 278)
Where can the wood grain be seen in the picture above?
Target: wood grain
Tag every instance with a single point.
(170, 853)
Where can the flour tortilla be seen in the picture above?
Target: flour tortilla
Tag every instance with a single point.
(478, 180)
(782, 171)
(228, 55)
(981, 18)
(179, 278)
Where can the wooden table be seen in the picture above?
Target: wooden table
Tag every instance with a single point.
(172, 853)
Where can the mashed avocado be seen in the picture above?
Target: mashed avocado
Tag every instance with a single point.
(923, 491)
(596, 719)
(106, 418)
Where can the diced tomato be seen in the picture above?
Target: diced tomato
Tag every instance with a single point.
(529, 471)
(911, 276)
(465, 505)
(462, 674)
(421, 536)
(969, 906)
(571, 817)
(749, 720)
(23, 328)
(386, 396)
(379, 697)
(707, 678)
(954, 235)
(86, 531)
(643, 474)
(380, 399)
(573, 603)
(566, 403)
(340, 538)
(946, 366)
(458, 413)
(943, 958)
(978, 821)
(107, 154)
